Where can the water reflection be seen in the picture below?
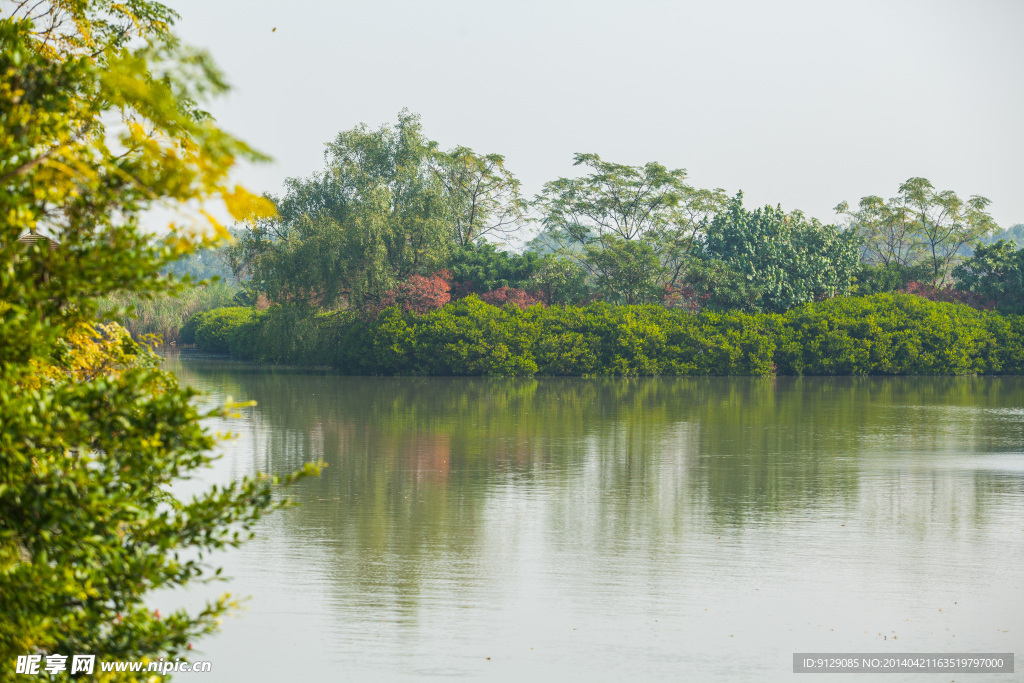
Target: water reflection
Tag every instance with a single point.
(674, 520)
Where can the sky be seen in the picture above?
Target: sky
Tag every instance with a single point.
(803, 104)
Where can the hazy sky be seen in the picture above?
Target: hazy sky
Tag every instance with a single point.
(803, 104)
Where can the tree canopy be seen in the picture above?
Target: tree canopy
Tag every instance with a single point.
(649, 202)
(389, 204)
(790, 258)
(996, 273)
(631, 227)
(920, 225)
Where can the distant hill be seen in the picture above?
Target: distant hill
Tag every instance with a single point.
(1014, 233)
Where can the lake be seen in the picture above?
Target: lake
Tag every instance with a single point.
(618, 529)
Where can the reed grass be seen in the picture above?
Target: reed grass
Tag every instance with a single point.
(164, 315)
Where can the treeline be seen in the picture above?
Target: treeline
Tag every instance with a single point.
(883, 334)
(385, 262)
(392, 219)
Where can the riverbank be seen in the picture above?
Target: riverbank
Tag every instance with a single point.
(884, 334)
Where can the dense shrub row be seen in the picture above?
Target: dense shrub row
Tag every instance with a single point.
(884, 334)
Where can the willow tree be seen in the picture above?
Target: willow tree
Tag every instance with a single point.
(387, 205)
(100, 122)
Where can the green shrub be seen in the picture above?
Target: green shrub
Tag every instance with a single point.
(887, 334)
(469, 337)
(217, 327)
(187, 332)
(884, 334)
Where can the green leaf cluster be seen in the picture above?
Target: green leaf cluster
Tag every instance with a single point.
(99, 122)
(996, 273)
(889, 277)
(884, 334)
(788, 258)
(483, 268)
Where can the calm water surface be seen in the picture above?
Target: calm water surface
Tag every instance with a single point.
(605, 530)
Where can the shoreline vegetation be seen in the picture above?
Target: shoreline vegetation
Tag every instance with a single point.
(395, 259)
(882, 334)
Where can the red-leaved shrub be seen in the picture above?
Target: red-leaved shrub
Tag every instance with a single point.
(419, 294)
(947, 294)
(683, 297)
(504, 295)
(460, 290)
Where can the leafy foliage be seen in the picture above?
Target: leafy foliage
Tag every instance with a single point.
(216, 329)
(560, 281)
(418, 294)
(387, 206)
(890, 277)
(510, 295)
(373, 217)
(615, 205)
(626, 271)
(788, 258)
(898, 334)
(627, 202)
(100, 122)
(482, 195)
(713, 284)
(885, 334)
(994, 273)
(481, 267)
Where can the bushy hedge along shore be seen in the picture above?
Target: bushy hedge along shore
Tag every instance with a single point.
(884, 334)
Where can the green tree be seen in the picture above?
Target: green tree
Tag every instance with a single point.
(560, 281)
(716, 285)
(996, 273)
(891, 277)
(947, 223)
(373, 217)
(888, 231)
(100, 122)
(480, 267)
(626, 271)
(618, 203)
(388, 205)
(920, 225)
(483, 196)
(788, 258)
